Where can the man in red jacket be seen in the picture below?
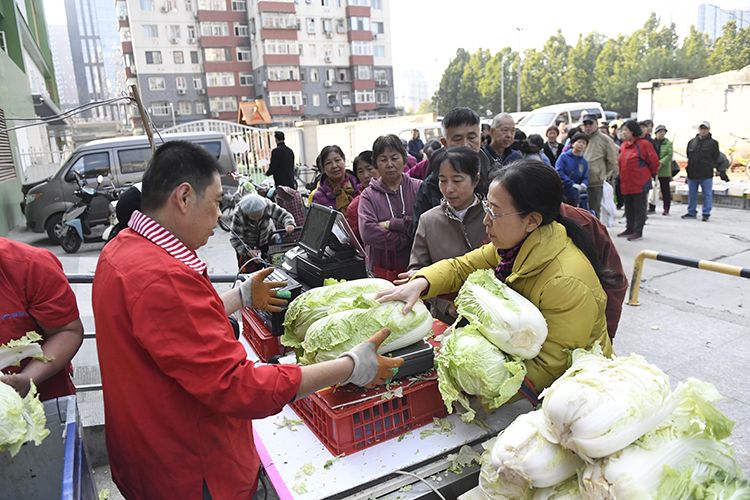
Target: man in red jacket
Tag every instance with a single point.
(179, 392)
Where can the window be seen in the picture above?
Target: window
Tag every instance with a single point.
(358, 23)
(382, 97)
(156, 83)
(285, 98)
(217, 54)
(313, 75)
(161, 108)
(184, 108)
(239, 5)
(194, 57)
(359, 3)
(278, 20)
(200, 108)
(243, 53)
(341, 49)
(241, 30)
(316, 99)
(223, 79)
(151, 31)
(92, 165)
(361, 48)
(212, 5)
(364, 73)
(364, 96)
(153, 57)
(279, 73)
(332, 98)
(214, 29)
(346, 99)
(302, 75)
(191, 31)
(134, 160)
(310, 25)
(327, 25)
(340, 26)
(146, 4)
(179, 57)
(221, 104)
(376, 4)
(197, 83)
(378, 51)
(325, 3)
(181, 83)
(280, 47)
(188, 5)
(246, 79)
(378, 27)
(330, 74)
(343, 75)
(380, 75)
(174, 31)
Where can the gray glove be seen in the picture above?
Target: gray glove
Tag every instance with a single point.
(371, 369)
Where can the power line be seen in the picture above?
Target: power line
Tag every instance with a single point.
(67, 114)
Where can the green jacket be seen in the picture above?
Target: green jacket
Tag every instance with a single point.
(665, 158)
(555, 276)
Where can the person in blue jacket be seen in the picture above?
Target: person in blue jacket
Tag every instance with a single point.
(574, 170)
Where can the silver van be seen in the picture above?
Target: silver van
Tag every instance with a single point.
(122, 162)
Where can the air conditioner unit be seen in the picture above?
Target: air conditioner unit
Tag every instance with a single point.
(165, 9)
(181, 91)
(329, 34)
(122, 17)
(377, 36)
(265, 84)
(191, 40)
(328, 83)
(295, 107)
(214, 114)
(201, 91)
(327, 59)
(382, 83)
(337, 109)
(173, 41)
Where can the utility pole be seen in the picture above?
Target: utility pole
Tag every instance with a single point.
(518, 86)
(502, 83)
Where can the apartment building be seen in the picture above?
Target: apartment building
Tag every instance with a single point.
(318, 59)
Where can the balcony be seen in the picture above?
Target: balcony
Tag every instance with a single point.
(277, 6)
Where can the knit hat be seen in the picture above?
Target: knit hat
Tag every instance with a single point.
(253, 206)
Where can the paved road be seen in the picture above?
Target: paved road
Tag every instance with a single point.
(691, 323)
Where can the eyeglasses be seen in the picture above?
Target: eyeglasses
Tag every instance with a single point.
(491, 214)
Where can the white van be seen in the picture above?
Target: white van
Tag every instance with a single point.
(539, 120)
(432, 131)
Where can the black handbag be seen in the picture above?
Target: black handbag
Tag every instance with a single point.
(675, 168)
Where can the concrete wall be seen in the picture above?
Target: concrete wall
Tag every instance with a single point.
(680, 105)
(353, 137)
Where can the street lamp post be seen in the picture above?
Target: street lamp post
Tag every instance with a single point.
(518, 86)
(502, 83)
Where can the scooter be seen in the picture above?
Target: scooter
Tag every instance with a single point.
(76, 227)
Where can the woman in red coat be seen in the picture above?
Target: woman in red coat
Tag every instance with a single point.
(638, 164)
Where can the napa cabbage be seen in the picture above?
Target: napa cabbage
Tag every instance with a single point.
(13, 352)
(334, 334)
(502, 315)
(469, 365)
(21, 419)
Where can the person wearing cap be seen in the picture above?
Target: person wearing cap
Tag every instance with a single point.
(601, 155)
(179, 391)
(253, 225)
(281, 166)
(703, 157)
(664, 150)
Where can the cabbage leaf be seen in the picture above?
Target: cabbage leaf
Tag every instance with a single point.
(21, 419)
(469, 365)
(13, 352)
(502, 315)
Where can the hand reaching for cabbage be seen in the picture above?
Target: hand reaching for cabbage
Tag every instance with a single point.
(409, 293)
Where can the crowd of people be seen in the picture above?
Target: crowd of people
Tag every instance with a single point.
(179, 392)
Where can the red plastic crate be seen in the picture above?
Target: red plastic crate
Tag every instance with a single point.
(263, 342)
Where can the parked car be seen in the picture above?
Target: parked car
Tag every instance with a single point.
(427, 131)
(540, 119)
(121, 161)
(611, 115)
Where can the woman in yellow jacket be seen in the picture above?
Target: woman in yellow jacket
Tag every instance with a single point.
(542, 255)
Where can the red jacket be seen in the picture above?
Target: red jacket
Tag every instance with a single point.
(638, 164)
(351, 215)
(179, 392)
(34, 292)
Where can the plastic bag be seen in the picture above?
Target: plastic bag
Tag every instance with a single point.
(608, 209)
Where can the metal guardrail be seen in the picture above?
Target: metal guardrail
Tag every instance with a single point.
(88, 279)
(706, 265)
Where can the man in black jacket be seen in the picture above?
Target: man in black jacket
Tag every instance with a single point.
(282, 163)
(703, 157)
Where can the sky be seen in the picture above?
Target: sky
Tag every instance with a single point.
(54, 12)
(426, 33)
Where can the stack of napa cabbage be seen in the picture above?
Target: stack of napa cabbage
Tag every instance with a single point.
(485, 358)
(612, 428)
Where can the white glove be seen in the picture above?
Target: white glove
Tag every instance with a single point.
(577, 187)
(370, 368)
(582, 187)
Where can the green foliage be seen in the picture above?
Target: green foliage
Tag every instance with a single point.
(594, 69)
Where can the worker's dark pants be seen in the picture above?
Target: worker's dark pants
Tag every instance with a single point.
(666, 194)
(635, 212)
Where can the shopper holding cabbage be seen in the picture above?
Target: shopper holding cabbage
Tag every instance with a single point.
(539, 253)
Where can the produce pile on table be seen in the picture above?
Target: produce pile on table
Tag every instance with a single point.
(21, 419)
(485, 358)
(325, 322)
(612, 428)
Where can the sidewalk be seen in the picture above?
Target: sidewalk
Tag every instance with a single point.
(691, 323)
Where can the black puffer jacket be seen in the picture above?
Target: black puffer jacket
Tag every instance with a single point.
(703, 157)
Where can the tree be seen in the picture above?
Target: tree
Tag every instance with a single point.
(608, 90)
(446, 96)
(468, 90)
(425, 106)
(542, 73)
(692, 57)
(579, 76)
(731, 50)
